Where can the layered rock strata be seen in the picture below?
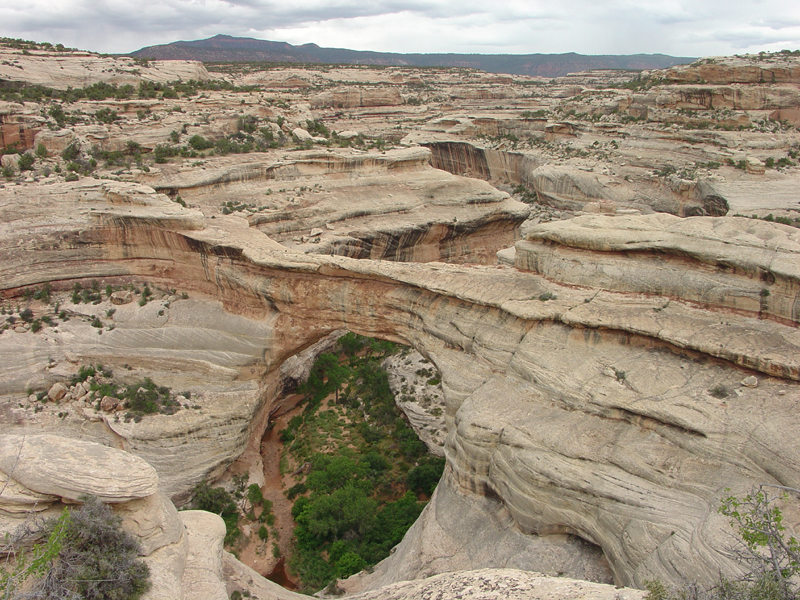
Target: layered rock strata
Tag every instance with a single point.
(388, 206)
(61, 70)
(610, 382)
(551, 401)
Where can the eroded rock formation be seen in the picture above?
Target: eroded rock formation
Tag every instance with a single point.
(548, 384)
(609, 381)
(390, 206)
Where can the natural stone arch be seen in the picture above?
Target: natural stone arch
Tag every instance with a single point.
(587, 411)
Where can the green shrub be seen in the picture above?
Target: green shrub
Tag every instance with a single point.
(254, 495)
(106, 115)
(198, 142)
(770, 558)
(349, 564)
(26, 162)
(424, 478)
(97, 559)
(218, 501)
(146, 397)
(71, 152)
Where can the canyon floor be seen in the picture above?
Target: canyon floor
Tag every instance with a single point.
(603, 269)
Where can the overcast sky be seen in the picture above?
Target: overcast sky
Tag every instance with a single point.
(679, 28)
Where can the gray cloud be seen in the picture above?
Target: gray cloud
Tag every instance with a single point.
(679, 27)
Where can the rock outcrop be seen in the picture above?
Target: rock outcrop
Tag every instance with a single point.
(387, 206)
(607, 383)
(548, 385)
(61, 70)
(350, 97)
(765, 68)
(419, 395)
(501, 583)
(57, 467)
(42, 473)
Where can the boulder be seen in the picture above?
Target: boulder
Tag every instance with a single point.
(302, 135)
(751, 382)
(755, 166)
(70, 469)
(10, 161)
(122, 297)
(109, 403)
(57, 391)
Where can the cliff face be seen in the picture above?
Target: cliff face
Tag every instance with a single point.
(768, 68)
(473, 161)
(61, 70)
(577, 189)
(604, 386)
(551, 402)
(382, 206)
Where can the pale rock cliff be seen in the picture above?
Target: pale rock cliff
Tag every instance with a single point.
(389, 206)
(603, 387)
(61, 70)
(551, 404)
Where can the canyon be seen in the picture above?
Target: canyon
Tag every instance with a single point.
(602, 268)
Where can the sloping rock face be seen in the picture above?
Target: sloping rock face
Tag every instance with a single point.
(359, 97)
(551, 404)
(458, 532)
(767, 68)
(500, 583)
(61, 70)
(388, 206)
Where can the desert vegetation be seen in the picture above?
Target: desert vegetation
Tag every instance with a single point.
(353, 475)
(361, 474)
(768, 554)
(83, 554)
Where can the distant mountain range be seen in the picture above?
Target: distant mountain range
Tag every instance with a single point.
(225, 48)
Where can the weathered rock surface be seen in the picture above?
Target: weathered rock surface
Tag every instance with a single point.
(389, 205)
(770, 68)
(501, 583)
(596, 389)
(688, 259)
(357, 97)
(420, 397)
(466, 533)
(202, 577)
(61, 70)
(70, 469)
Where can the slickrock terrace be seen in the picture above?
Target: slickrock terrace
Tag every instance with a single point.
(610, 379)
(523, 359)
